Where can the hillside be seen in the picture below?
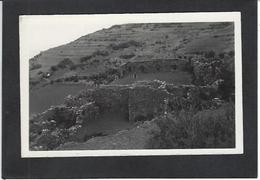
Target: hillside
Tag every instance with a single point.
(136, 86)
(112, 47)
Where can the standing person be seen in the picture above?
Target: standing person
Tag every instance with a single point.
(135, 76)
(166, 102)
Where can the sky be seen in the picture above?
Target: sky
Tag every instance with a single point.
(41, 32)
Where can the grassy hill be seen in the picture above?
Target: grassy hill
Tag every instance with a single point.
(109, 48)
(59, 71)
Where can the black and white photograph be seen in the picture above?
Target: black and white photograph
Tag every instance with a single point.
(131, 84)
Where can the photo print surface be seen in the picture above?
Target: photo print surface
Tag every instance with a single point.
(131, 84)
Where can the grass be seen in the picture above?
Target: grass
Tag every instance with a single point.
(44, 97)
(108, 123)
(204, 129)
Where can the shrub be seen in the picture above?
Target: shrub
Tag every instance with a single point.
(140, 118)
(34, 66)
(210, 54)
(54, 68)
(227, 88)
(33, 82)
(127, 56)
(73, 67)
(124, 45)
(231, 53)
(205, 129)
(49, 131)
(58, 80)
(72, 78)
(100, 53)
(85, 59)
(65, 63)
(221, 55)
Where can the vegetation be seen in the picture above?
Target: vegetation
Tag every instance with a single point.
(227, 88)
(100, 53)
(65, 63)
(210, 54)
(59, 127)
(124, 45)
(127, 56)
(34, 66)
(196, 118)
(85, 58)
(210, 128)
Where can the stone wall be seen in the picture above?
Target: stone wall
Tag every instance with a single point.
(146, 103)
(155, 65)
(112, 99)
(145, 99)
(87, 112)
(140, 101)
(206, 72)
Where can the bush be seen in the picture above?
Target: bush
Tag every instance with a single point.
(85, 59)
(231, 53)
(72, 78)
(54, 68)
(65, 63)
(127, 56)
(124, 45)
(227, 88)
(58, 80)
(73, 67)
(58, 127)
(34, 66)
(33, 82)
(100, 53)
(210, 54)
(205, 129)
(221, 55)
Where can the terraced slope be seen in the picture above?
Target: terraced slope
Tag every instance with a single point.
(109, 48)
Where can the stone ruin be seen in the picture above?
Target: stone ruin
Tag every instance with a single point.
(141, 101)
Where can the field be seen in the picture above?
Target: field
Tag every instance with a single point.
(51, 95)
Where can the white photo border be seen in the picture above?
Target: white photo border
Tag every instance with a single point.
(146, 18)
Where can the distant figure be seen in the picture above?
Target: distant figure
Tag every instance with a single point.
(135, 76)
(166, 103)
